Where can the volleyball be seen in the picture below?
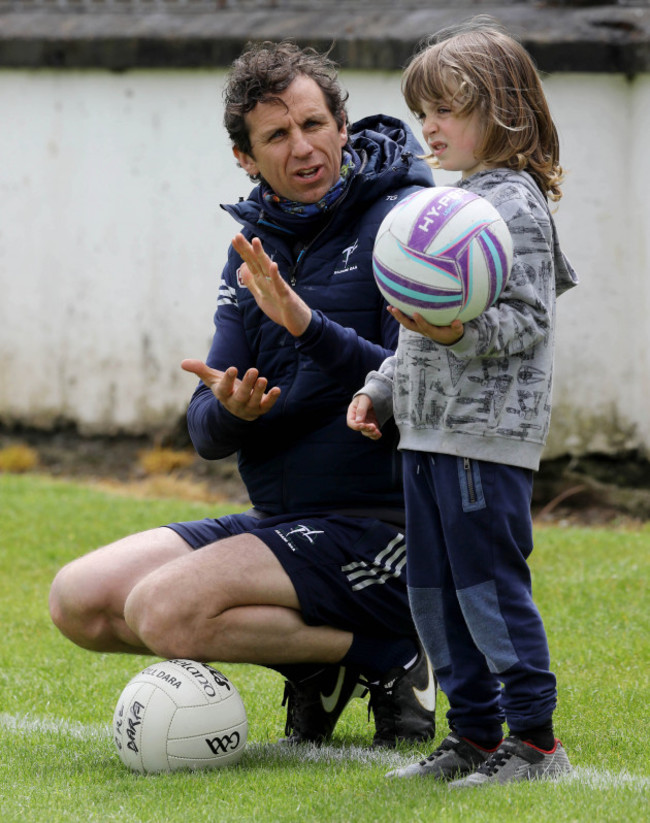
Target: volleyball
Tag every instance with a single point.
(179, 714)
(444, 253)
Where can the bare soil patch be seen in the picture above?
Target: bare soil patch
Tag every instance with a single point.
(593, 491)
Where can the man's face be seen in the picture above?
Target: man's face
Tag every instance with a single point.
(295, 143)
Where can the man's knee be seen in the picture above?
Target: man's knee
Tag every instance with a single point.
(75, 605)
(87, 596)
(165, 623)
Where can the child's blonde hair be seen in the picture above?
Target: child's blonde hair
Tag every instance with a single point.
(479, 67)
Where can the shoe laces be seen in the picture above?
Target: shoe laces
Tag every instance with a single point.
(435, 754)
(386, 710)
(496, 760)
(289, 700)
(447, 744)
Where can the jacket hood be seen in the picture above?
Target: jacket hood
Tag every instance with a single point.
(565, 275)
(386, 141)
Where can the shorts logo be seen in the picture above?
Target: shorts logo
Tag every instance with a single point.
(301, 531)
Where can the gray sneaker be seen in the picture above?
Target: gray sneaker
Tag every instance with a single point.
(454, 757)
(517, 760)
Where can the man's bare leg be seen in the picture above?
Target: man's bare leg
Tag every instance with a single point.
(230, 601)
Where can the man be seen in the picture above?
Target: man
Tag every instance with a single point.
(311, 581)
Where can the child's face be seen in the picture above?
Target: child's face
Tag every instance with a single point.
(453, 140)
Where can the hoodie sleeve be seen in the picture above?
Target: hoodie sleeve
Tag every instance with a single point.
(379, 388)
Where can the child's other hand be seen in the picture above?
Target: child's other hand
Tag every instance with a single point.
(362, 418)
(447, 335)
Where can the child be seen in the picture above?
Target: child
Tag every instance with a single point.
(472, 403)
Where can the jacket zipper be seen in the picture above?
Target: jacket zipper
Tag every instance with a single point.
(293, 271)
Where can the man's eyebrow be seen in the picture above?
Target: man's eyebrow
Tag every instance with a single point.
(271, 130)
(266, 133)
(316, 115)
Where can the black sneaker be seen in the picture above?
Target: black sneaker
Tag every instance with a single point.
(315, 703)
(404, 704)
(453, 758)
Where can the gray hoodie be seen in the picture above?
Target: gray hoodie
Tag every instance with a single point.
(487, 396)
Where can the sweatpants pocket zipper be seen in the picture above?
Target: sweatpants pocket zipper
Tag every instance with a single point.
(471, 489)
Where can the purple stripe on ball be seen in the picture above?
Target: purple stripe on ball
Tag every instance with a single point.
(441, 263)
(433, 217)
(415, 293)
(497, 263)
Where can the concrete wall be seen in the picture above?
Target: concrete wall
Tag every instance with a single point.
(112, 241)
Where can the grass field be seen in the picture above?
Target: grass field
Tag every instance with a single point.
(57, 758)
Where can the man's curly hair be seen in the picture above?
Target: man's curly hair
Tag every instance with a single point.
(265, 70)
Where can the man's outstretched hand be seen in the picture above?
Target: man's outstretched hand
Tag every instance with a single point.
(246, 398)
(272, 294)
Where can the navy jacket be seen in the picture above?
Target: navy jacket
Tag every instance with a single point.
(300, 457)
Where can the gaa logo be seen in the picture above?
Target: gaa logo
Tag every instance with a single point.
(228, 742)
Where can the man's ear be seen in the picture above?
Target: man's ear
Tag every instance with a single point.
(247, 163)
(343, 134)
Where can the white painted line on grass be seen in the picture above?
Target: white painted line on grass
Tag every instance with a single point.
(605, 779)
(310, 753)
(267, 753)
(29, 724)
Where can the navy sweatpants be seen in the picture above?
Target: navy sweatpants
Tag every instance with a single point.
(468, 535)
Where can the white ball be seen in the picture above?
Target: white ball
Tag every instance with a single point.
(443, 252)
(179, 714)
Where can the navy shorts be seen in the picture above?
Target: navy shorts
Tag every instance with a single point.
(348, 572)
